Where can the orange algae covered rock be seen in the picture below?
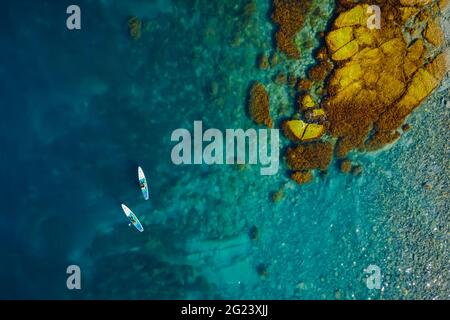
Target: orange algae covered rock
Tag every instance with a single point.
(380, 78)
(313, 131)
(346, 166)
(292, 80)
(289, 15)
(433, 33)
(320, 71)
(259, 105)
(304, 85)
(368, 80)
(413, 58)
(302, 177)
(424, 81)
(353, 17)
(280, 78)
(316, 155)
(443, 4)
(273, 60)
(307, 102)
(315, 115)
(338, 38)
(414, 2)
(294, 129)
(346, 51)
(380, 139)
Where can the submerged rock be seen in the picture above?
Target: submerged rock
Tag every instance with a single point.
(368, 80)
(289, 15)
(263, 62)
(259, 108)
(214, 89)
(380, 80)
(280, 78)
(307, 102)
(357, 170)
(278, 196)
(273, 59)
(406, 127)
(304, 85)
(134, 28)
(346, 166)
(310, 156)
(315, 115)
(302, 177)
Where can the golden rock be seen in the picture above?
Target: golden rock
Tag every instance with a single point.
(338, 38)
(355, 16)
(298, 130)
(313, 131)
(433, 33)
(308, 102)
(364, 36)
(346, 51)
(414, 2)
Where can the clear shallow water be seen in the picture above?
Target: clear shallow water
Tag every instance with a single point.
(81, 110)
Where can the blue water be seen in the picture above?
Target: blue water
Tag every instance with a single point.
(80, 110)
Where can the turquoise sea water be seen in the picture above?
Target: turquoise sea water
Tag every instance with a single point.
(82, 109)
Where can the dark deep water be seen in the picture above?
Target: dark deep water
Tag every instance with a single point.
(74, 110)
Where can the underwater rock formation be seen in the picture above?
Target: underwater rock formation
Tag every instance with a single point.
(346, 166)
(304, 85)
(263, 62)
(134, 28)
(278, 195)
(320, 71)
(306, 102)
(297, 130)
(292, 80)
(280, 79)
(259, 108)
(302, 177)
(379, 77)
(367, 80)
(273, 59)
(262, 270)
(365, 83)
(289, 15)
(310, 156)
